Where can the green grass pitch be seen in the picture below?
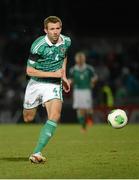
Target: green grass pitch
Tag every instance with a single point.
(103, 152)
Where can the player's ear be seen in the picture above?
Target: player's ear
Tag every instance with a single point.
(45, 30)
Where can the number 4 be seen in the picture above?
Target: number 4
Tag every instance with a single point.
(55, 92)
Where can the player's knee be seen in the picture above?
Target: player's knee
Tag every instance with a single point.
(28, 117)
(55, 116)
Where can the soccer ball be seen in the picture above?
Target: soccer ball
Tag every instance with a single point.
(117, 118)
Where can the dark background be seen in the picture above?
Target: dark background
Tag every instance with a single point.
(82, 18)
(108, 31)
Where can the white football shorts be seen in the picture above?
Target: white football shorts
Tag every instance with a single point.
(39, 92)
(82, 99)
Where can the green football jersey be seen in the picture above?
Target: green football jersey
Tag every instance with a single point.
(82, 76)
(48, 57)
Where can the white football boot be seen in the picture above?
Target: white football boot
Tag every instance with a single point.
(37, 158)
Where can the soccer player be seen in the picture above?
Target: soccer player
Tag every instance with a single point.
(83, 78)
(46, 67)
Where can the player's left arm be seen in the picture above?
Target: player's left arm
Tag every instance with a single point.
(94, 80)
(65, 81)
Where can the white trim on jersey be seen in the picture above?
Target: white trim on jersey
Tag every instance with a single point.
(38, 45)
(57, 44)
(31, 62)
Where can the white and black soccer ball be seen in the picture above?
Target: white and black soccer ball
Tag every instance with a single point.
(117, 118)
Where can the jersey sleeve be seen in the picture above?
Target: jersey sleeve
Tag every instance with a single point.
(68, 44)
(92, 71)
(34, 54)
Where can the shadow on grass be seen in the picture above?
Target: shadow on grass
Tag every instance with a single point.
(14, 159)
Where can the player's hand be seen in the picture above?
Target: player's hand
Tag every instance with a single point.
(59, 73)
(66, 85)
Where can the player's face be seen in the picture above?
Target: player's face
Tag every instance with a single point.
(53, 31)
(80, 59)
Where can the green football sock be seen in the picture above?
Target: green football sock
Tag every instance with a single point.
(81, 120)
(45, 135)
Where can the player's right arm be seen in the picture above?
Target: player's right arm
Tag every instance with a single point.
(42, 74)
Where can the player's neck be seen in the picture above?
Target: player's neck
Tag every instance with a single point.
(58, 41)
(81, 65)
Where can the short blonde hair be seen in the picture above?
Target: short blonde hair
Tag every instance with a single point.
(52, 19)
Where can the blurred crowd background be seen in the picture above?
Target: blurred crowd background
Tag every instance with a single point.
(107, 32)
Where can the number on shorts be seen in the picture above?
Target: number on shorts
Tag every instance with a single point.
(55, 92)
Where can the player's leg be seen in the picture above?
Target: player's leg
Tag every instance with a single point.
(89, 117)
(29, 114)
(54, 112)
(89, 107)
(80, 103)
(81, 115)
(52, 100)
(32, 100)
